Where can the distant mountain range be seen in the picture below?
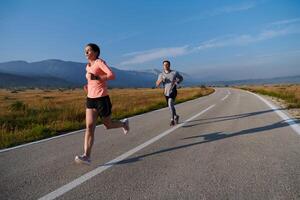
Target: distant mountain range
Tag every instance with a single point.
(11, 81)
(275, 80)
(58, 73)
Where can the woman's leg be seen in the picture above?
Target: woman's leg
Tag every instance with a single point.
(91, 118)
(109, 123)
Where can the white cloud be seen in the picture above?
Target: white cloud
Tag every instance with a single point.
(247, 38)
(285, 22)
(233, 8)
(288, 27)
(153, 54)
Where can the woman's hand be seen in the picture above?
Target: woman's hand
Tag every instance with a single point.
(94, 77)
(88, 76)
(85, 88)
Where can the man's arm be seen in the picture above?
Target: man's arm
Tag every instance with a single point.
(178, 78)
(159, 80)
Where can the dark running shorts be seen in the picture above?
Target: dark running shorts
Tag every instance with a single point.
(101, 104)
(173, 95)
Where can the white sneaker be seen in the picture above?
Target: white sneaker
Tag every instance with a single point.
(126, 127)
(82, 160)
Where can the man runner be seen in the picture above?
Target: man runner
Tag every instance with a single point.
(170, 79)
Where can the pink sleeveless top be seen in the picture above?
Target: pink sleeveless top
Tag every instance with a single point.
(98, 88)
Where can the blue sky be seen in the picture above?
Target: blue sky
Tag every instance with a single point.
(208, 39)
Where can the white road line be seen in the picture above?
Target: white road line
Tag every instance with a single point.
(81, 130)
(224, 97)
(293, 124)
(70, 133)
(69, 186)
(228, 93)
(43, 140)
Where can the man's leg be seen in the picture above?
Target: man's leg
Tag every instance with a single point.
(172, 108)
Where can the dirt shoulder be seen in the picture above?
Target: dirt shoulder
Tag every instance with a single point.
(294, 112)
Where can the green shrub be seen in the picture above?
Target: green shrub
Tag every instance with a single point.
(17, 106)
(40, 131)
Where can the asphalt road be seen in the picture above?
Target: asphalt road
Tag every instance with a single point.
(229, 145)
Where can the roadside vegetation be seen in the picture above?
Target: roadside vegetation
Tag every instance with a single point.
(289, 93)
(30, 115)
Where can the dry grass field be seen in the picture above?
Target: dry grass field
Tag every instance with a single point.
(30, 115)
(290, 94)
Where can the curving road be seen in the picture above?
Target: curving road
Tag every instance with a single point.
(229, 145)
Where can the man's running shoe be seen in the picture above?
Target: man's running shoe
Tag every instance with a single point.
(177, 119)
(172, 123)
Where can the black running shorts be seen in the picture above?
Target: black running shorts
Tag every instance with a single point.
(101, 104)
(172, 95)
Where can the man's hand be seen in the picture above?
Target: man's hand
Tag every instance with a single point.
(174, 82)
(158, 83)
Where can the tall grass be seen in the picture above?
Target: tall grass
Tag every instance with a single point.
(36, 114)
(289, 93)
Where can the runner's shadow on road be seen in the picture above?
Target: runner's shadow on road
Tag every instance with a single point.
(216, 136)
(210, 137)
(226, 118)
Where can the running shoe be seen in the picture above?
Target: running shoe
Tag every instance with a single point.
(177, 119)
(82, 160)
(172, 123)
(126, 127)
